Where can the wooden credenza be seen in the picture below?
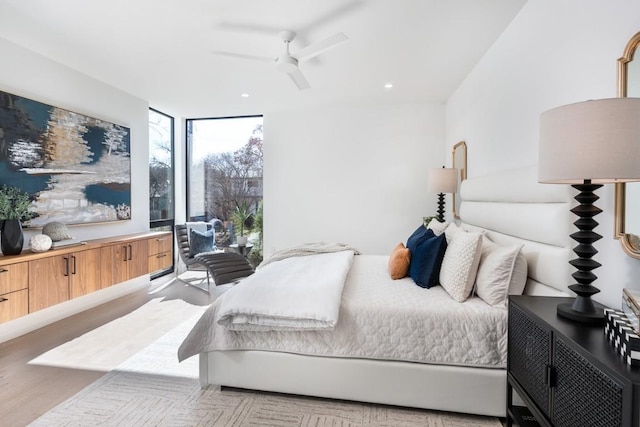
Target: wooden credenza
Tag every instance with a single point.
(32, 281)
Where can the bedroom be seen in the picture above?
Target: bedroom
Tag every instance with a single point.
(552, 53)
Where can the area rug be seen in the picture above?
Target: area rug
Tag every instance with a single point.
(109, 346)
(134, 399)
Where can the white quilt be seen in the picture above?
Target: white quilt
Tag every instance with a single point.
(293, 294)
(380, 319)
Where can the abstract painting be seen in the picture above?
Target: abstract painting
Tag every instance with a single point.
(77, 168)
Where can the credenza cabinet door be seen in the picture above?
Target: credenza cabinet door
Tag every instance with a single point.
(138, 262)
(129, 260)
(583, 395)
(530, 355)
(84, 275)
(48, 282)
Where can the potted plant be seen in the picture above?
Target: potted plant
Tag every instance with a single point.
(244, 218)
(15, 206)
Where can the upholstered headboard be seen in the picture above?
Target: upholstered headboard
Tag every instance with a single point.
(512, 207)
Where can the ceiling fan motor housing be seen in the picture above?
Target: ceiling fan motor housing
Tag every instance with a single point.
(286, 64)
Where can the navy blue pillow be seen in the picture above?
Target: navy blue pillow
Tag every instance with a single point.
(426, 260)
(420, 234)
(200, 242)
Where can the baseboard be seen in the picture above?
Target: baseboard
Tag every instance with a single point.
(44, 317)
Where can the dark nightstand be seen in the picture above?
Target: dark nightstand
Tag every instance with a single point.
(567, 373)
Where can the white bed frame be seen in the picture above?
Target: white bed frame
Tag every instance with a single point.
(511, 207)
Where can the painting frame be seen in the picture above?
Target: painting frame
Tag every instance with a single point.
(76, 168)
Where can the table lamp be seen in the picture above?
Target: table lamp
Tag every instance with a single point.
(442, 180)
(588, 144)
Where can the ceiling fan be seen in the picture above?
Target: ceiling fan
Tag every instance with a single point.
(288, 62)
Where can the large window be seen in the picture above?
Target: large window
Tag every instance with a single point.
(224, 179)
(161, 194)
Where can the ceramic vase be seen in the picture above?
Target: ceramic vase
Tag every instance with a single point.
(11, 237)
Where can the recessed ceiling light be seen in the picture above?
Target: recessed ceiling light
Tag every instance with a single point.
(388, 86)
(245, 95)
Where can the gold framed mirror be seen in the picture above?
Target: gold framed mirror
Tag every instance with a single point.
(459, 161)
(627, 196)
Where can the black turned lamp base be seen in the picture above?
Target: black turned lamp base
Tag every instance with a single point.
(440, 211)
(596, 317)
(583, 309)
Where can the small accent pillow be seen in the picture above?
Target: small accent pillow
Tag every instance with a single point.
(460, 263)
(426, 260)
(200, 242)
(399, 262)
(437, 226)
(496, 272)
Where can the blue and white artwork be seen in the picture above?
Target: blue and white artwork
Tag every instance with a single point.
(77, 168)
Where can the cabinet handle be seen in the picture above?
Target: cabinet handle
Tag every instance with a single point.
(125, 253)
(550, 376)
(3, 299)
(3, 270)
(161, 256)
(73, 257)
(66, 266)
(130, 251)
(161, 240)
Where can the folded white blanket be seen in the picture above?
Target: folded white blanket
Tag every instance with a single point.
(293, 294)
(308, 249)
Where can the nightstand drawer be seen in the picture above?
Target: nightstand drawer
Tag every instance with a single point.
(14, 277)
(14, 305)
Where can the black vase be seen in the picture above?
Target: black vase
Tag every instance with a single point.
(11, 237)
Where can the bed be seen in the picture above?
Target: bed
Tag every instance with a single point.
(467, 374)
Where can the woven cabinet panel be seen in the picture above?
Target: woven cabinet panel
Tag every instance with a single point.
(584, 395)
(529, 354)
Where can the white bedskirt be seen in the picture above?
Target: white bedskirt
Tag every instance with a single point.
(380, 319)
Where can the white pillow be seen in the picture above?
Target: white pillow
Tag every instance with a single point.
(496, 271)
(519, 276)
(437, 226)
(460, 263)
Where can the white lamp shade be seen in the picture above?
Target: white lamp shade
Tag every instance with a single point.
(442, 180)
(597, 140)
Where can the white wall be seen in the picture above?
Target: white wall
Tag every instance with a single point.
(33, 76)
(355, 175)
(553, 53)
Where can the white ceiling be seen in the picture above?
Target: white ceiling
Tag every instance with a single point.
(161, 50)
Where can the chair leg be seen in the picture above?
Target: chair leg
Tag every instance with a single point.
(196, 282)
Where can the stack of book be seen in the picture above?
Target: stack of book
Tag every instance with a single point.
(622, 336)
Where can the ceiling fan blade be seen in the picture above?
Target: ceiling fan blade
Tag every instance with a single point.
(243, 56)
(299, 80)
(315, 49)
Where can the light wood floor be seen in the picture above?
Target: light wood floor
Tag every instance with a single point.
(28, 391)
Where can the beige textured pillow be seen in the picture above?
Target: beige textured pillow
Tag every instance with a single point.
(460, 263)
(519, 276)
(495, 272)
(399, 262)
